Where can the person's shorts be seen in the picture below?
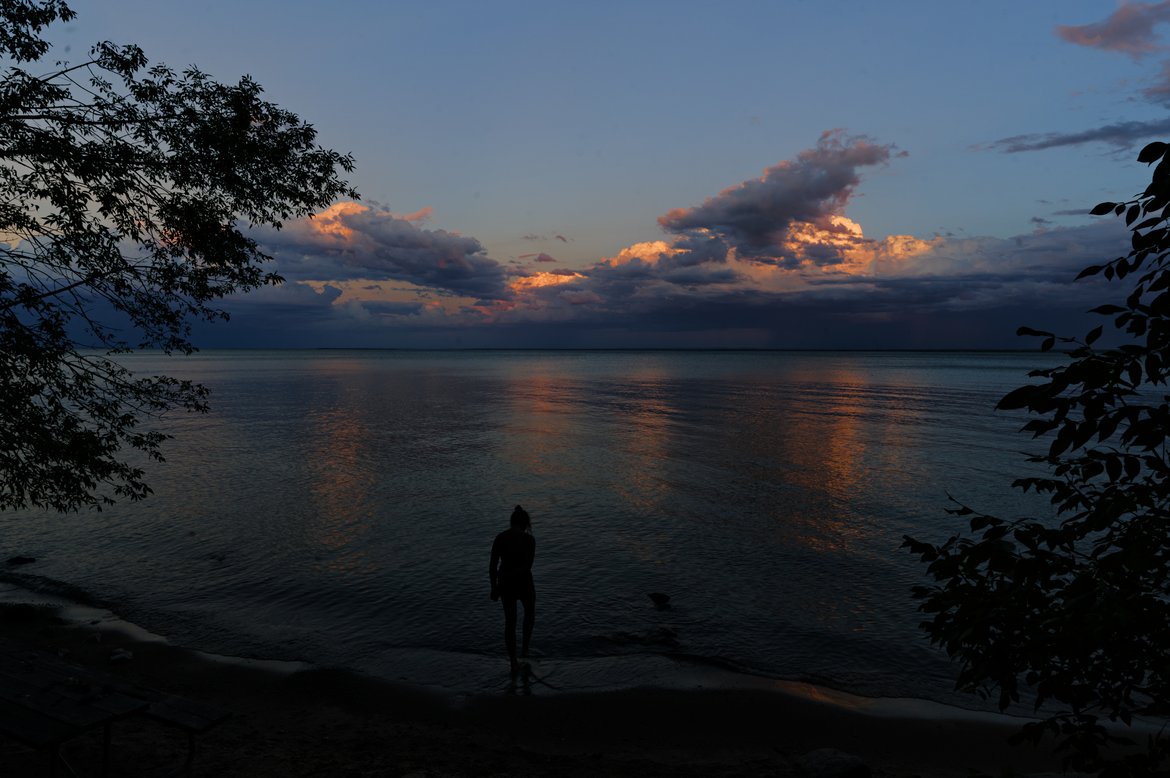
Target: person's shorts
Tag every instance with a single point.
(518, 587)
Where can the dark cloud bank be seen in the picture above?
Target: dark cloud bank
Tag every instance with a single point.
(953, 294)
(734, 321)
(980, 307)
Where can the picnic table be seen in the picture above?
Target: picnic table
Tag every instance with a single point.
(45, 702)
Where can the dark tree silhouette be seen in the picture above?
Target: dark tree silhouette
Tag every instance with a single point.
(1075, 609)
(125, 196)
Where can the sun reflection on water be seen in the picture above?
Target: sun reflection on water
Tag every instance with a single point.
(340, 492)
(540, 422)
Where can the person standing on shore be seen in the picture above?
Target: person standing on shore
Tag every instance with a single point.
(510, 573)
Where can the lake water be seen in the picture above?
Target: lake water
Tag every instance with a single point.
(338, 507)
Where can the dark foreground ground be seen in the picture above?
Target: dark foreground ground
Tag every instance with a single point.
(333, 723)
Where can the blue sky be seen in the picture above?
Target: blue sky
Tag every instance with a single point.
(761, 174)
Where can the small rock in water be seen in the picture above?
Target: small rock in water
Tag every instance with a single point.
(664, 636)
(21, 560)
(660, 600)
(121, 655)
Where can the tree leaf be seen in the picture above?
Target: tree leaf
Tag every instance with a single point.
(1017, 398)
(1152, 152)
(137, 185)
(1079, 608)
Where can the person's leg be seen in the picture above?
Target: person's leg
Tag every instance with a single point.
(510, 627)
(529, 619)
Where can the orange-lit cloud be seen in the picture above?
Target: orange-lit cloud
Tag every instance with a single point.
(755, 217)
(649, 252)
(856, 254)
(835, 246)
(352, 241)
(331, 220)
(543, 279)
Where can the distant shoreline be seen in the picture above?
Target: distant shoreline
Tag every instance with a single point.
(1035, 351)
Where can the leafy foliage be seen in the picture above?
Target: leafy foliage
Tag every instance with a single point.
(125, 195)
(1076, 608)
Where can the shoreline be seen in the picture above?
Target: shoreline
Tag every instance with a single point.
(296, 719)
(687, 673)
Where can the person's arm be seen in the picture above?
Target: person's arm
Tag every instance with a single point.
(530, 550)
(492, 571)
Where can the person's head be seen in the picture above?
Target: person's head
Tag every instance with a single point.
(520, 519)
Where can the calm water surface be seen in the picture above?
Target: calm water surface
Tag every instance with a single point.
(338, 507)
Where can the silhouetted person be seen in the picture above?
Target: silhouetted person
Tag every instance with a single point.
(511, 576)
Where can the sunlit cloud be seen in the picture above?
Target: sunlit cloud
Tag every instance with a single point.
(649, 252)
(330, 221)
(1129, 30)
(538, 280)
(351, 241)
(771, 261)
(756, 217)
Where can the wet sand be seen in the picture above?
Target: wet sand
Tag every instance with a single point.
(288, 720)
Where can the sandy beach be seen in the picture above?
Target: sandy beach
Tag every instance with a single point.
(288, 720)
